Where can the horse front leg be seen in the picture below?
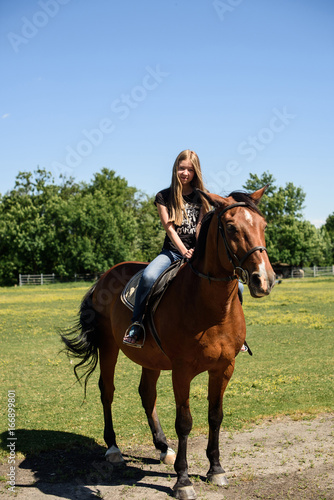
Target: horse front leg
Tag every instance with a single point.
(217, 384)
(183, 488)
(148, 394)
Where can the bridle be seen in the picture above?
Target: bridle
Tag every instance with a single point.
(233, 258)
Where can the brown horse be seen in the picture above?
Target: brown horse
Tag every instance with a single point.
(199, 321)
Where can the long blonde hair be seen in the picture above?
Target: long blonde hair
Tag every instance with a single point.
(176, 204)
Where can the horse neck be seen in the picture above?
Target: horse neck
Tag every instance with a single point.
(215, 296)
(215, 261)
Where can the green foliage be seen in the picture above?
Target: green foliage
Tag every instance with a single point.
(330, 225)
(278, 202)
(289, 238)
(74, 228)
(328, 230)
(150, 231)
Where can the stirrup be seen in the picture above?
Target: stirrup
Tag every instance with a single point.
(136, 344)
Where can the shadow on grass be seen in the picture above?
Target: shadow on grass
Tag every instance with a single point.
(71, 466)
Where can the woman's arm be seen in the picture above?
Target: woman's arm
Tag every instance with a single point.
(171, 232)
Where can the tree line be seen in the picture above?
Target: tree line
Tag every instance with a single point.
(73, 228)
(290, 238)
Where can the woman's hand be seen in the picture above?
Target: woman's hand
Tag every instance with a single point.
(170, 230)
(188, 254)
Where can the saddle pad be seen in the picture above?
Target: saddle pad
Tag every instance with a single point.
(128, 295)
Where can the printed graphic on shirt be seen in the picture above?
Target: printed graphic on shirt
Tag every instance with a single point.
(189, 222)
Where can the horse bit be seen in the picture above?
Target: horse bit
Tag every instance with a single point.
(232, 257)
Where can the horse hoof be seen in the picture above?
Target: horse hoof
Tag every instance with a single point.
(218, 479)
(168, 458)
(114, 456)
(185, 493)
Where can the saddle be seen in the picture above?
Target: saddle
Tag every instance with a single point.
(128, 295)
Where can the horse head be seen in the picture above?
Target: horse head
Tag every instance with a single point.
(240, 241)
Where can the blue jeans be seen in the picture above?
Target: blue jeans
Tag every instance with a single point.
(150, 275)
(240, 291)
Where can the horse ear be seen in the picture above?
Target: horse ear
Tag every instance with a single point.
(214, 199)
(257, 195)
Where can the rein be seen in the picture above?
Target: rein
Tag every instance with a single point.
(212, 278)
(232, 257)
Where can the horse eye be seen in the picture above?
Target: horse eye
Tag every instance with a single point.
(231, 229)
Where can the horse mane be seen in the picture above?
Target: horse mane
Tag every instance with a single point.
(238, 197)
(201, 240)
(242, 196)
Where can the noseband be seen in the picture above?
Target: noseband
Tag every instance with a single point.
(232, 257)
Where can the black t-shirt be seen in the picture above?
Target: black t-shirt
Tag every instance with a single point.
(187, 230)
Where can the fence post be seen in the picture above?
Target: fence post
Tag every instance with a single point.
(20, 280)
(41, 278)
(314, 271)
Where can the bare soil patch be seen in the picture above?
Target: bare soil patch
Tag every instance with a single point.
(277, 459)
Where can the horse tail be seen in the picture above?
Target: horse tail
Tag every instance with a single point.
(82, 339)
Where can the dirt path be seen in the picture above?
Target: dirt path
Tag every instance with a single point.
(280, 459)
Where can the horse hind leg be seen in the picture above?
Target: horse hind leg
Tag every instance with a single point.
(148, 394)
(108, 359)
(113, 453)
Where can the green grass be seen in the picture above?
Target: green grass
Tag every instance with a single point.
(290, 373)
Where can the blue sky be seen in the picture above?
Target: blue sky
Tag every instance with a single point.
(247, 84)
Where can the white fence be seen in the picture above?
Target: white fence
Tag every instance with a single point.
(44, 279)
(316, 271)
(285, 271)
(36, 279)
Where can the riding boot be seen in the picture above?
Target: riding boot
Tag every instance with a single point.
(135, 334)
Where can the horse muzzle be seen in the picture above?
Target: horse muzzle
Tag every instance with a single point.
(261, 283)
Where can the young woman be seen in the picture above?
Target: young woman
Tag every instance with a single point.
(181, 210)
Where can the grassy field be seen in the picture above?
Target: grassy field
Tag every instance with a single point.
(290, 373)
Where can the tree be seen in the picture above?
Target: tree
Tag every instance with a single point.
(328, 229)
(329, 225)
(277, 202)
(290, 239)
(22, 225)
(150, 231)
(73, 228)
